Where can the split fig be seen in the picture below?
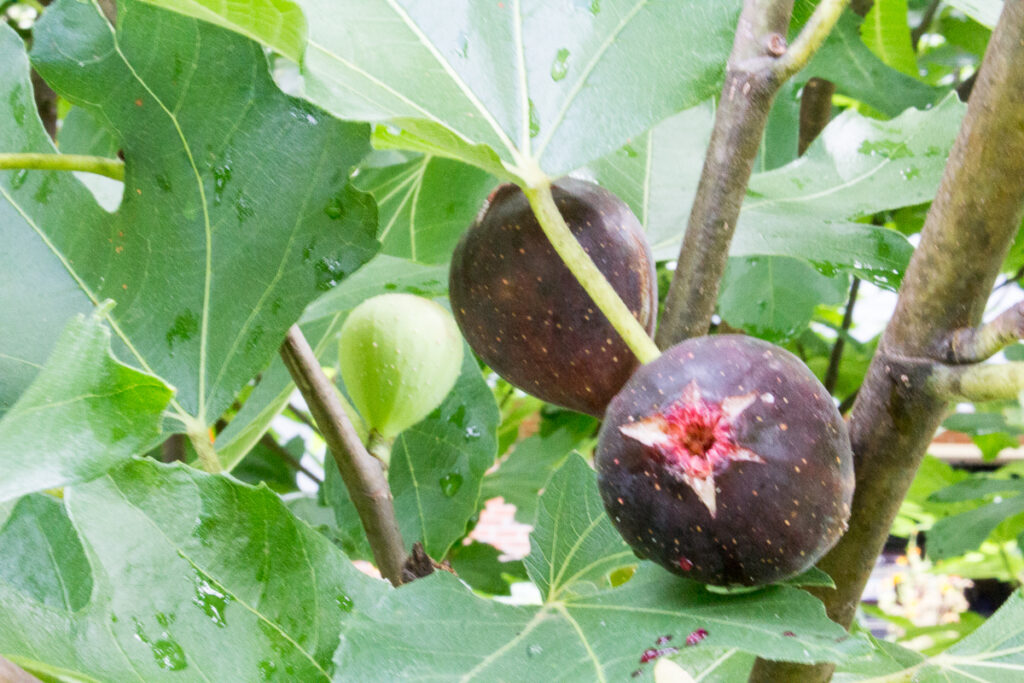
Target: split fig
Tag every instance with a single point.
(726, 461)
(524, 313)
(400, 356)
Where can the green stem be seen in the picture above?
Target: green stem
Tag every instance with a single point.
(582, 266)
(379, 447)
(200, 439)
(111, 168)
(813, 34)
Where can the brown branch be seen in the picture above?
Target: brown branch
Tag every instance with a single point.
(759, 63)
(815, 111)
(280, 451)
(747, 94)
(364, 478)
(302, 417)
(926, 22)
(966, 235)
(12, 673)
(832, 373)
(975, 344)
(173, 448)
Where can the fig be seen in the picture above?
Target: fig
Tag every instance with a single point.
(726, 461)
(400, 355)
(525, 314)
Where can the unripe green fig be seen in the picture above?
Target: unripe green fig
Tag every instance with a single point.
(400, 356)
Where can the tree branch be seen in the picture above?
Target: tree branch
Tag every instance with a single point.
(966, 235)
(832, 374)
(111, 168)
(280, 451)
(975, 344)
(976, 383)
(812, 35)
(362, 473)
(926, 22)
(815, 111)
(758, 65)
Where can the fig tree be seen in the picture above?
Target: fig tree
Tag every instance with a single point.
(726, 461)
(400, 356)
(525, 314)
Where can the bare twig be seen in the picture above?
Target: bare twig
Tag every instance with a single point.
(758, 65)
(173, 449)
(280, 451)
(12, 673)
(302, 417)
(975, 344)
(815, 111)
(926, 22)
(832, 374)
(362, 473)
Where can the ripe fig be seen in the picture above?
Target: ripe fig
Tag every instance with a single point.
(524, 313)
(400, 356)
(726, 461)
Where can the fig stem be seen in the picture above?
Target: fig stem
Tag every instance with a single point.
(111, 168)
(363, 475)
(586, 272)
(379, 447)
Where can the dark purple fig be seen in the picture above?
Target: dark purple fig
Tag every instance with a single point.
(524, 313)
(726, 461)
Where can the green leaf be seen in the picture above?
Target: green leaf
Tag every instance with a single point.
(856, 167)
(585, 631)
(523, 474)
(204, 579)
(81, 133)
(278, 24)
(321, 323)
(436, 469)
(806, 209)
(845, 60)
(560, 83)
(985, 12)
(425, 204)
(886, 33)
(43, 557)
(263, 464)
(573, 541)
(774, 297)
(992, 653)
(478, 565)
(957, 534)
(84, 413)
(237, 209)
(437, 465)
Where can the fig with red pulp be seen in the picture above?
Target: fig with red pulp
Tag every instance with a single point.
(726, 461)
(524, 313)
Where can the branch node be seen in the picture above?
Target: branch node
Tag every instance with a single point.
(975, 344)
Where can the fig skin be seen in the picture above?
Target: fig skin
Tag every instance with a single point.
(782, 499)
(525, 314)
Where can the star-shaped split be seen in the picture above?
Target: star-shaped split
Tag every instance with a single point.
(695, 438)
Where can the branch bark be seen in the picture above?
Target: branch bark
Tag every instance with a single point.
(758, 65)
(966, 236)
(363, 475)
(975, 344)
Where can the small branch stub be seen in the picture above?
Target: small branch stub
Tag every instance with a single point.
(975, 344)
